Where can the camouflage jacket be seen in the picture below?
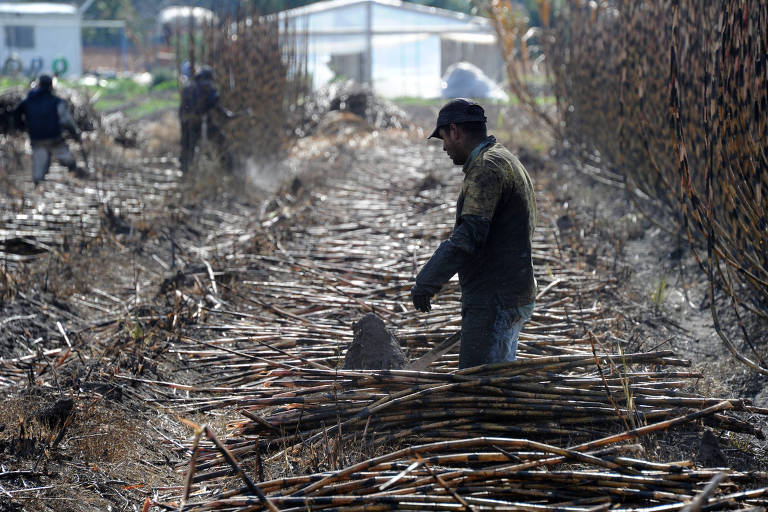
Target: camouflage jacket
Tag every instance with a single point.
(497, 188)
(490, 247)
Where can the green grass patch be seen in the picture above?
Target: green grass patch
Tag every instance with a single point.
(545, 100)
(139, 100)
(7, 82)
(108, 104)
(170, 85)
(123, 87)
(152, 105)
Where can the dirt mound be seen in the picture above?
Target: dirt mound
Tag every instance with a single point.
(374, 347)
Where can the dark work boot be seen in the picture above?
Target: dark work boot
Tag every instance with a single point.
(79, 172)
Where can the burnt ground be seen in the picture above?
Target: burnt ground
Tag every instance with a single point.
(101, 272)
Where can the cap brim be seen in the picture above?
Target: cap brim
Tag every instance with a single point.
(435, 134)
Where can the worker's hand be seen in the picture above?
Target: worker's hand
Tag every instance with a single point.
(421, 303)
(420, 299)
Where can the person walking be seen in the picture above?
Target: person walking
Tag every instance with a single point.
(199, 98)
(45, 117)
(490, 246)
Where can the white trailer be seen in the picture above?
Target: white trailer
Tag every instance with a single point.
(40, 37)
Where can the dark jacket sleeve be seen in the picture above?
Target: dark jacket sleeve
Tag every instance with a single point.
(468, 237)
(65, 119)
(212, 97)
(18, 112)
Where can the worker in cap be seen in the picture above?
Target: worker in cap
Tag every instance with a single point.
(46, 117)
(199, 99)
(490, 246)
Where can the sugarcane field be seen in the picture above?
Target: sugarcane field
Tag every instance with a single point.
(265, 271)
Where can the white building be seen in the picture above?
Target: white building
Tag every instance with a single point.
(400, 48)
(40, 37)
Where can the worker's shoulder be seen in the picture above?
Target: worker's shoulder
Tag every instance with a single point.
(500, 162)
(36, 98)
(40, 95)
(497, 158)
(32, 95)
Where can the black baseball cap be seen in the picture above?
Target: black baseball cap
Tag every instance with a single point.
(45, 82)
(204, 73)
(460, 110)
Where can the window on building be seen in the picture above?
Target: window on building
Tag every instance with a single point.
(19, 36)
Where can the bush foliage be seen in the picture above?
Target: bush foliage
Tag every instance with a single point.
(670, 95)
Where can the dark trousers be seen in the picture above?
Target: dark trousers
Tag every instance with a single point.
(191, 132)
(489, 333)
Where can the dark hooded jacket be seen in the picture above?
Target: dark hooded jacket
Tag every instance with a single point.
(39, 112)
(197, 99)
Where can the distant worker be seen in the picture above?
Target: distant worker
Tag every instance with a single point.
(199, 98)
(490, 246)
(45, 115)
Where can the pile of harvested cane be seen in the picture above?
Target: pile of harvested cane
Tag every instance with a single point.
(556, 411)
(555, 400)
(496, 473)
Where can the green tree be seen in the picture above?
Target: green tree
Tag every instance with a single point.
(106, 9)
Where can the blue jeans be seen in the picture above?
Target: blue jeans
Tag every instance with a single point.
(489, 333)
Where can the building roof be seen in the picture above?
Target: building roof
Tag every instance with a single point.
(36, 8)
(329, 5)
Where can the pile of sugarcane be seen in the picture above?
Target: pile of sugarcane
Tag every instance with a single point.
(42, 238)
(70, 212)
(498, 473)
(301, 298)
(554, 399)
